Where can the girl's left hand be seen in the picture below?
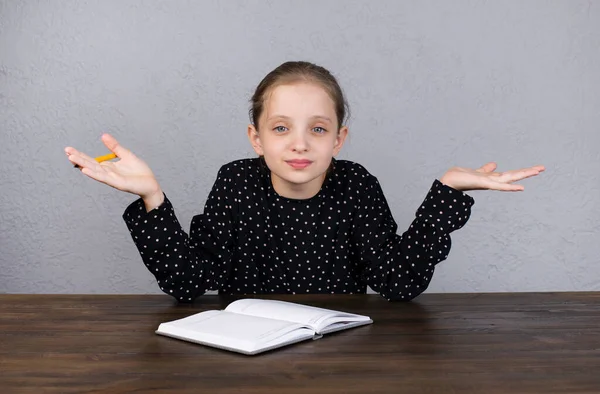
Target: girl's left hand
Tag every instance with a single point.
(485, 178)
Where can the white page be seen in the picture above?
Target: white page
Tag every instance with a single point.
(303, 314)
(231, 330)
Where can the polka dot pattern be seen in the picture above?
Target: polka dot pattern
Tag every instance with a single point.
(250, 240)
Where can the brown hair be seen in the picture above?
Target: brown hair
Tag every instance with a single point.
(294, 72)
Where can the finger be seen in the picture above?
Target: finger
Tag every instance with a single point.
(528, 175)
(505, 187)
(540, 168)
(69, 150)
(534, 169)
(82, 160)
(514, 176)
(488, 167)
(113, 145)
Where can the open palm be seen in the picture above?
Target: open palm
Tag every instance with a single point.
(484, 178)
(129, 174)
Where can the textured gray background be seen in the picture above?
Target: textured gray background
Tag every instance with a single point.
(431, 84)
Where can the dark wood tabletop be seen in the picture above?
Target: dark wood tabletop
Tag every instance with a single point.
(438, 343)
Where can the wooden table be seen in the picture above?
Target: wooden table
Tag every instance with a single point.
(439, 343)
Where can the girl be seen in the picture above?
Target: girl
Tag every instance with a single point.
(295, 219)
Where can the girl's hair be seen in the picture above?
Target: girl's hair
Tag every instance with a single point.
(293, 72)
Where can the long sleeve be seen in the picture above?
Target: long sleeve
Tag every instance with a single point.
(400, 267)
(186, 266)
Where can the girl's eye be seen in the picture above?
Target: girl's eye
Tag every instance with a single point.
(319, 130)
(280, 129)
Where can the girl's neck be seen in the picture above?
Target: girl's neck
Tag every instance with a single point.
(297, 192)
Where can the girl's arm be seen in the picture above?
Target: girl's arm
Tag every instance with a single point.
(400, 267)
(185, 267)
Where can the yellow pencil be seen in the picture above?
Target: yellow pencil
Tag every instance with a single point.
(100, 159)
(110, 156)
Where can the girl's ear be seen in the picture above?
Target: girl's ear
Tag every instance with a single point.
(339, 140)
(254, 139)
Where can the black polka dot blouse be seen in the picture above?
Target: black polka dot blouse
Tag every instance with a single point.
(250, 240)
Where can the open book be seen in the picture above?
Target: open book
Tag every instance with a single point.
(252, 326)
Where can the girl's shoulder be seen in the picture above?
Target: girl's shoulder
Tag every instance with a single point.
(241, 174)
(243, 167)
(351, 171)
(349, 178)
(241, 171)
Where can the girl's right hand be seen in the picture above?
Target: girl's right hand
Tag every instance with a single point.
(129, 174)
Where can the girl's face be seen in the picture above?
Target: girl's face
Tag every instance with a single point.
(298, 136)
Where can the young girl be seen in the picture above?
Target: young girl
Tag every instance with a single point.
(294, 220)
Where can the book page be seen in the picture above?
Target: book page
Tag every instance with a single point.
(231, 330)
(317, 318)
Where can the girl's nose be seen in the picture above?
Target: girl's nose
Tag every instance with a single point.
(300, 142)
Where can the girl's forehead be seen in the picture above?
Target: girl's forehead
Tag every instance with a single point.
(299, 97)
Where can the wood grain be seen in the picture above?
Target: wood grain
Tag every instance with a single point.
(450, 343)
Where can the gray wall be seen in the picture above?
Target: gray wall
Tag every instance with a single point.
(431, 84)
